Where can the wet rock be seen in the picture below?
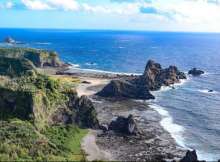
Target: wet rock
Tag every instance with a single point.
(191, 156)
(124, 125)
(125, 89)
(196, 72)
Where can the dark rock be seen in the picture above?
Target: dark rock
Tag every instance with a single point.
(210, 91)
(86, 115)
(124, 125)
(125, 89)
(154, 76)
(196, 72)
(9, 40)
(138, 87)
(191, 156)
(86, 82)
(104, 127)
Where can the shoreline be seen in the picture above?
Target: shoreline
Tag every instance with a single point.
(96, 83)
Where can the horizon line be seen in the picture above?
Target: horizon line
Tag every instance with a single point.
(119, 30)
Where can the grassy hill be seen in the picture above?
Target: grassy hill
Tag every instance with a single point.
(41, 117)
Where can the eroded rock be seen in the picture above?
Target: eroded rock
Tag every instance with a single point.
(125, 89)
(153, 78)
(124, 125)
(196, 72)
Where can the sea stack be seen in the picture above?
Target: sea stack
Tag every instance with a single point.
(196, 72)
(9, 40)
(153, 78)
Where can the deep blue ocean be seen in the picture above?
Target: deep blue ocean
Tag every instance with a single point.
(190, 113)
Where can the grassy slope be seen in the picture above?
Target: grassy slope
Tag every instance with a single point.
(19, 140)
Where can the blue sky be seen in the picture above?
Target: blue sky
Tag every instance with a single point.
(162, 15)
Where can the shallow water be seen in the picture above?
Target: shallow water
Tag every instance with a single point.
(190, 112)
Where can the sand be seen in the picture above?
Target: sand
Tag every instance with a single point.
(93, 152)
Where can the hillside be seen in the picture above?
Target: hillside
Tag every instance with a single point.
(41, 118)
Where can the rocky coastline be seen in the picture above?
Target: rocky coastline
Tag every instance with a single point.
(152, 142)
(114, 106)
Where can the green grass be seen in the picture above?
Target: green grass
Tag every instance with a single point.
(19, 141)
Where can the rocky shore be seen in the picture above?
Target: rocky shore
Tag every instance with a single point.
(115, 106)
(153, 142)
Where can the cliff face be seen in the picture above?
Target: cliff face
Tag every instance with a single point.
(44, 101)
(39, 58)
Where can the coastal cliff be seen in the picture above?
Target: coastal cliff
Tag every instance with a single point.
(40, 58)
(42, 118)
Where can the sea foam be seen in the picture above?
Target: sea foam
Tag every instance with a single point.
(167, 123)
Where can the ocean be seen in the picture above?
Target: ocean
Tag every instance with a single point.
(190, 113)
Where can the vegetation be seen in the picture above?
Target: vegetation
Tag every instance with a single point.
(39, 58)
(15, 67)
(19, 141)
(41, 117)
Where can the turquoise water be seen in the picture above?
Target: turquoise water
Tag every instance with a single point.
(191, 111)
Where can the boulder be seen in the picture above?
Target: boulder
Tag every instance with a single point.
(104, 127)
(196, 72)
(125, 89)
(124, 125)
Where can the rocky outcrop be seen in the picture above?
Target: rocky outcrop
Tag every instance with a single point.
(40, 58)
(191, 156)
(155, 76)
(125, 89)
(44, 102)
(196, 72)
(9, 40)
(124, 125)
(152, 79)
(86, 115)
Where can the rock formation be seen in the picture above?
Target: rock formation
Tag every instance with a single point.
(196, 72)
(138, 88)
(124, 125)
(155, 76)
(191, 156)
(9, 40)
(85, 113)
(40, 58)
(125, 89)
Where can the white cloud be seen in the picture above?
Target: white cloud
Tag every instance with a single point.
(36, 5)
(9, 5)
(6, 5)
(66, 5)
